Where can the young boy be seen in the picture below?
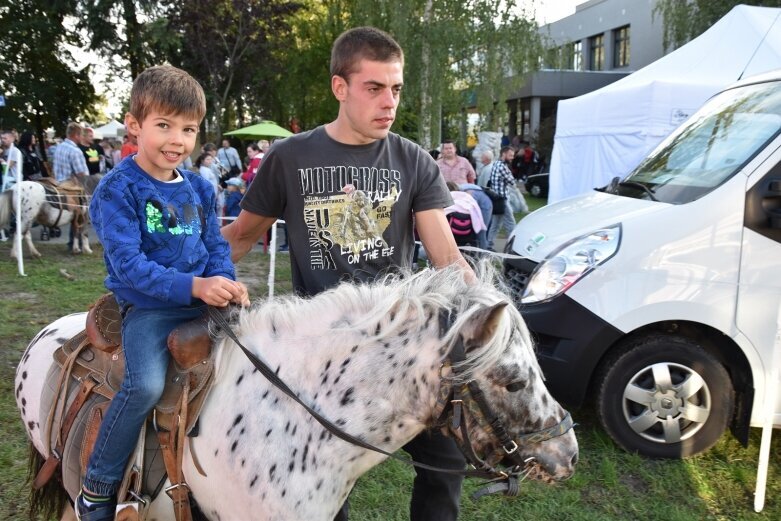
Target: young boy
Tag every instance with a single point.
(165, 258)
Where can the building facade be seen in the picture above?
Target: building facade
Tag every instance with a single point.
(602, 42)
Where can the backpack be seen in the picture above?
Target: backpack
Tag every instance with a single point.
(463, 231)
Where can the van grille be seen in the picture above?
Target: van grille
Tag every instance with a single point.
(517, 276)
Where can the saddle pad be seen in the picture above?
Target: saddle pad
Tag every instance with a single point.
(73, 468)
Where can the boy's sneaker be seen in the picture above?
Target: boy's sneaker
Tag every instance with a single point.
(95, 512)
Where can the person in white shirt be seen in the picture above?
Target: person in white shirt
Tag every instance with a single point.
(11, 160)
(229, 157)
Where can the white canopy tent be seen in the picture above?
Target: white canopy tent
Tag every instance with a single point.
(112, 129)
(607, 132)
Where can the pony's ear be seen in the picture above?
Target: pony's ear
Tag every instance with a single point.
(482, 326)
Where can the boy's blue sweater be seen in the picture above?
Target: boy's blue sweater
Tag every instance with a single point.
(157, 236)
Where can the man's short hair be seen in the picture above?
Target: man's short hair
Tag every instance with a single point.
(487, 153)
(449, 142)
(73, 129)
(362, 43)
(168, 90)
(504, 150)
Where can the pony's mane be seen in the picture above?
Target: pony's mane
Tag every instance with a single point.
(394, 301)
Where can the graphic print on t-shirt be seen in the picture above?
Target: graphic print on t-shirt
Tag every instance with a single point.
(346, 210)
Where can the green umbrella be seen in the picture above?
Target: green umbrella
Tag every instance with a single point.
(259, 130)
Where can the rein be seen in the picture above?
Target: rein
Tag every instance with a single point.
(505, 481)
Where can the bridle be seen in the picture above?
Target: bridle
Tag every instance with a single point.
(459, 399)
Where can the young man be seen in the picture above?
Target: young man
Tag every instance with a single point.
(348, 191)
(92, 152)
(501, 181)
(165, 258)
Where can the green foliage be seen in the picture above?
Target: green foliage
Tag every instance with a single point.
(116, 30)
(450, 47)
(686, 19)
(41, 86)
(227, 45)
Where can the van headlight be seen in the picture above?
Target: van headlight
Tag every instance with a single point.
(571, 262)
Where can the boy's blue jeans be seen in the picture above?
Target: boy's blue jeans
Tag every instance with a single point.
(144, 339)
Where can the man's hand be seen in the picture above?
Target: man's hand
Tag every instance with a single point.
(243, 233)
(220, 291)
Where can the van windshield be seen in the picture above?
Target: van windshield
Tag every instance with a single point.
(712, 146)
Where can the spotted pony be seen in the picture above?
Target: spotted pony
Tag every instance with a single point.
(37, 206)
(367, 356)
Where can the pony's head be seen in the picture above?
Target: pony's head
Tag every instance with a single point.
(508, 414)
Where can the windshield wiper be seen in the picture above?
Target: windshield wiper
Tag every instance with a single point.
(641, 186)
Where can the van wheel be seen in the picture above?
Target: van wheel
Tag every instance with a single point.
(664, 397)
(535, 190)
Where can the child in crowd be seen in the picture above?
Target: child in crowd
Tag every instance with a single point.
(235, 191)
(165, 258)
(204, 164)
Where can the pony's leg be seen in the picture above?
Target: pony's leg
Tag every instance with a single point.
(76, 232)
(85, 246)
(28, 239)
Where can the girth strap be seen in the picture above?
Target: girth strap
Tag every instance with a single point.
(172, 447)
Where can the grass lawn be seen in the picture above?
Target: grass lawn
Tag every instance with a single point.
(609, 484)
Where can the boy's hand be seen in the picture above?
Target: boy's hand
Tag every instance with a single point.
(219, 291)
(243, 298)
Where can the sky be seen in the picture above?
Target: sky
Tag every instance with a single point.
(546, 11)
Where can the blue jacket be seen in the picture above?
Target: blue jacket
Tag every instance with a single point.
(157, 236)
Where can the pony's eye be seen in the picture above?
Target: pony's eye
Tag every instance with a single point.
(515, 386)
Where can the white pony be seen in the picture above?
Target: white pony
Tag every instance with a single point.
(36, 207)
(370, 358)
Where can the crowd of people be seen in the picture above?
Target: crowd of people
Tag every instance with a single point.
(495, 186)
(78, 154)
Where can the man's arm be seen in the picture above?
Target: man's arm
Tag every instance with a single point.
(437, 238)
(243, 233)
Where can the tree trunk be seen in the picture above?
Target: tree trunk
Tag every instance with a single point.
(132, 34)
(425, 124)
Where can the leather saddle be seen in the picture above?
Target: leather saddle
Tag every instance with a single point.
(90, 368)
(67, 195)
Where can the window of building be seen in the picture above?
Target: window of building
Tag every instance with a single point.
(621, 47)
(575, 59)
(596, 60)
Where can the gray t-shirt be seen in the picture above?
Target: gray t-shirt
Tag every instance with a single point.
(348, 208)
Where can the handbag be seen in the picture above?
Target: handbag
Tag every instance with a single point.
(499, 202)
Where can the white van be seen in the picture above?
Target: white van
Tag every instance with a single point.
(657, 297)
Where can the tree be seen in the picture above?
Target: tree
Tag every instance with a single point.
(223, 41)
(42, 88)
(451, 47)
(684, 20)
(115, 30)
